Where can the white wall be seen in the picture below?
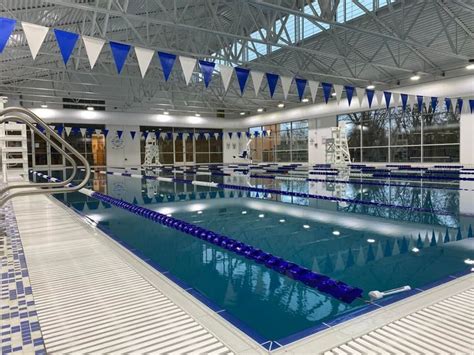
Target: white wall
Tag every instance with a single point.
(467, 138)
(318, 131)
(233, 147)
(124, 151)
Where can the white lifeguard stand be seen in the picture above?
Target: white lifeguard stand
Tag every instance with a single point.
(337, 149)
(152, 151)
(14, 149)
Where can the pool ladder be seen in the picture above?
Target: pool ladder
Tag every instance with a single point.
(30, 119)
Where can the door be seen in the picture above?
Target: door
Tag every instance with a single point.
(184, 150)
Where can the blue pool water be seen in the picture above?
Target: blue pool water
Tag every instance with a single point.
(368, 246)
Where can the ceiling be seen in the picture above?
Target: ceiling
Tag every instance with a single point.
(384, 47)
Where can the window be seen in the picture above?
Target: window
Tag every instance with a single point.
(403, 137)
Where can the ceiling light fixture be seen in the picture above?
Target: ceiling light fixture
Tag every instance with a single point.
(371, 86)
(470, 66)
(242, 113)
(166, 113)
(90, 108)
(281, 105)
(415, 77)
(197, 115)
(44, 106)
(333, 94)
(305, 100)
(260, 109)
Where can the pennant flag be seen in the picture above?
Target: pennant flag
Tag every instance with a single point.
(471, 105)
(396, 99)
(60, 129)
(411, 101)
(190, 135)
(132, 134)
(145, 134)
(75, 130)
(338, 90)
(226, 75)
(360, 95)
(7, 25)
(187, 65)
(83, 131)
(370, 96)
(119, 134)
(239, 134)
(434, 101)
(68, 130)
(230, 135)
(207, 69)
(326, 91)
(256, 133)
(313, 88)
(379, 96)
(257, 77)
(248, 134)
(105, 132)
(419, 102)
(66, 42)
(349, 93)
(90, 131)
(264, 133)
(388, 97)
(207, 136)
(35, 36)
(167, 63)
(300, 86)
(169, 135)
(272, 80)
(286, 84)
(93, 48)
(447, 102)
(157, 135)
(242, 76)
(120, 53)
(144, 57)
(460, 103)
(404, 98)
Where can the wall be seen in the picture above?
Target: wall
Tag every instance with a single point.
(467, 138)
(318, 131)
(233, 147)
(124, 151)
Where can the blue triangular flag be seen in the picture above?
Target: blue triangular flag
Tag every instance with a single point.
(349, 93)
(447, 101)
(242, 76)
(66, 42)
(145, 134)
(459, 235)
(105, 132)
(119, 134)
(404, 101)
(256, 133)
(326, 91)
(434, 101)
(169, 135)
(207, 68)
(471, 105)
(370, 254)
(300, 86)
(469, 232)
(433, 240)
(272, 80)
(75, 130)
(230, 135)
(90, 131)
(419, 242)
(419, 100)
(388, 97)
(350, 259)
(120, 53)
(180, 135)
(167, 62)
(60, 129)
(447, 239)
(7, 25)
(460, 103)
(248, 134)
(403, 245)
(264, 133)
(157, 134)
(388, 248)
(370, 96)
(239, 134)
(132, 134)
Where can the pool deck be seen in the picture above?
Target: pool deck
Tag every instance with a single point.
(92, 295)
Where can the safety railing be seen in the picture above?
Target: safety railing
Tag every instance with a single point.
(19, 114)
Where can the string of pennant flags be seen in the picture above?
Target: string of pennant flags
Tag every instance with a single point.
(66, 41)
(89, 131)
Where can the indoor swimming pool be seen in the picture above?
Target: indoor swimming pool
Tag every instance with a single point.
(370, 232)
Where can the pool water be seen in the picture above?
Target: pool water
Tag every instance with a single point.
(367, 246)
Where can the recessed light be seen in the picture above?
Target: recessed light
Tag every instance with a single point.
(44, 106)
(242, 113)
(470, 66)
(260, 109)
(370, 240)
(415, 77)
(336, 233)
(306, 226)
(90, 108)
(333, 94)
(197, 114)
(166, 113)
(261, 215)
(305, 100)
(244, 212)
(371, 86)
(282, 221)
(281, 105)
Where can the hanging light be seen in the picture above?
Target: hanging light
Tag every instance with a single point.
(197, 114)
(90, 108)
(242, 113)
(166, 113)
(260, 109)
(44, 106)
(281, 105)
(415, 77)
(305, 100)
(371, 86)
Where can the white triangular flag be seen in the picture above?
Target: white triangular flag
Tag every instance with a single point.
(144, 57)
(35, 36)
(175, 135)
(441, 103)
(257, 77)
(226, 75)
(338, 90)
(286, 84)
(93, 48)
(207, 135)
(216, 135)
(360, 95)
(411, 101)
(379, 96)
(185, 136)
(83, 131)
(68, 130)
(187, 65)
(313, 88)
(395, 99)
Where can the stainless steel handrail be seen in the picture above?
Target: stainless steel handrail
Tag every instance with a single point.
(45, 188)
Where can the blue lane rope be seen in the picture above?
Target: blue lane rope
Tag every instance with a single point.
(337, 289)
